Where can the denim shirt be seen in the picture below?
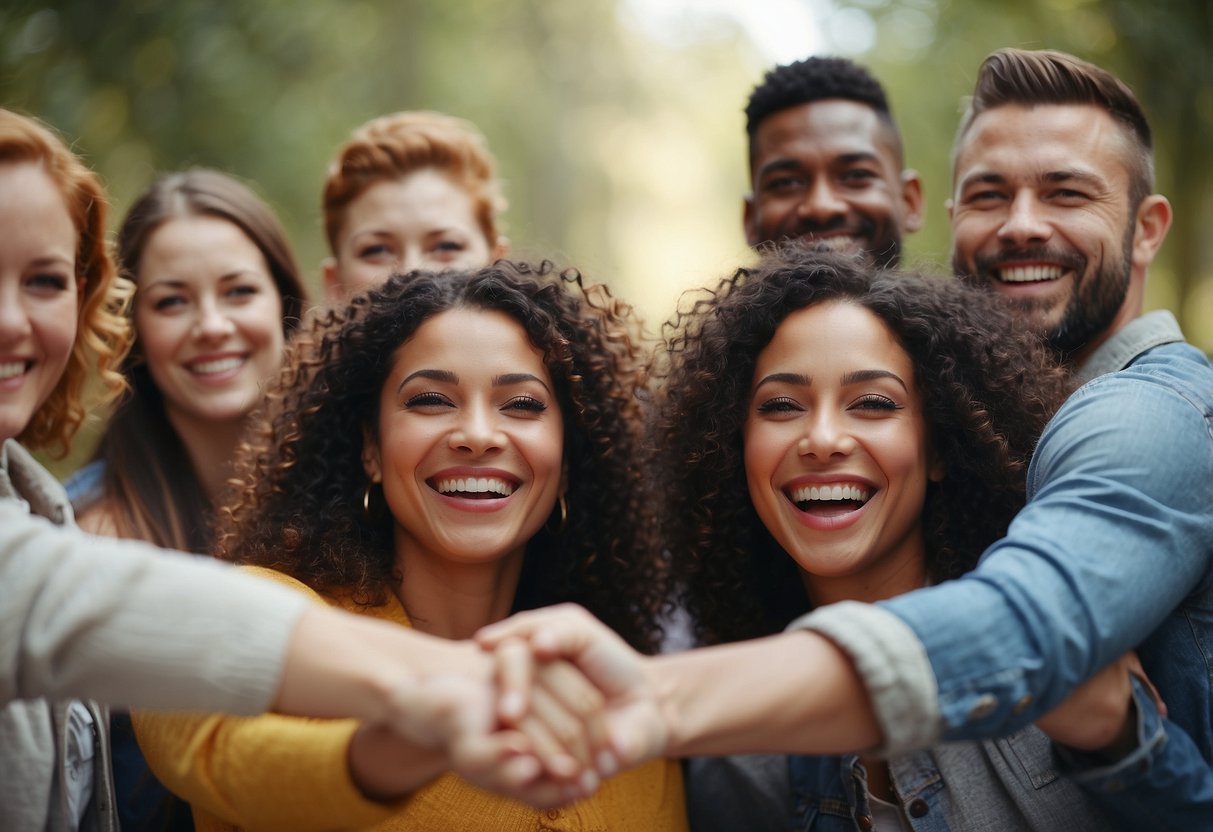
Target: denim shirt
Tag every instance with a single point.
(1114, 550)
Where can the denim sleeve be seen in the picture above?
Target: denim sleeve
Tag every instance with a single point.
(1117, 532)
(1164, 783)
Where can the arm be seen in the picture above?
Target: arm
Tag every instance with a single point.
(1113, 538)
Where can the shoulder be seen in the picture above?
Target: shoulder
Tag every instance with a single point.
(99, 517)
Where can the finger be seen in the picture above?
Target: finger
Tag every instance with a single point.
(514, 668)
(524, 624)
(566, 726)
(553, 736)
(577, 696)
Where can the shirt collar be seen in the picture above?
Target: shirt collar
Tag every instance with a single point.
(1131, 340)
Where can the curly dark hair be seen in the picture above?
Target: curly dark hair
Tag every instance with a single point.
(297, 499)
(814, 79)
(988, 387)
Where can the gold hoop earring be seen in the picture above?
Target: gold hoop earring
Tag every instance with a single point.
(564, 516)
(366, 499)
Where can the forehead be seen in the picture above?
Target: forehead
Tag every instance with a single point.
(1017, 142)
(829, 127)
(427, 198)
(479, 340)
(837, 334)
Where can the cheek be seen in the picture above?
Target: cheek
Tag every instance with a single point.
(157, 339)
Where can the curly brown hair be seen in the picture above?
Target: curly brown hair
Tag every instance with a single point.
(988, 387)
(299, 481)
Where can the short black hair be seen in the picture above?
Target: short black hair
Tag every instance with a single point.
(813, 79)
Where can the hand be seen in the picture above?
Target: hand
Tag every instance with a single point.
(1098, 717)
(635, 729)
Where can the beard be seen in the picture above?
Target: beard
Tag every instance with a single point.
(1093, 303)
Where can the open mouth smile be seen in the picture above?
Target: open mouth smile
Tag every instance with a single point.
(474, 488)
(1037, 273)
(12, 369)
(829, 499)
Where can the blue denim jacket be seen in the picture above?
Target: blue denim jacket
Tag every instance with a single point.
(1114, 550)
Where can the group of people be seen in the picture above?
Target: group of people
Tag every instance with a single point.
(941, 543)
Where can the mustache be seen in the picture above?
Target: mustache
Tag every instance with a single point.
(985, 264)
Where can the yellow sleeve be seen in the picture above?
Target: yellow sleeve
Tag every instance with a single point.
(266, 772)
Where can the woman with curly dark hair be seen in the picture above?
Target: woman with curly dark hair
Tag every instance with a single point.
(446, 450)
(831, 432)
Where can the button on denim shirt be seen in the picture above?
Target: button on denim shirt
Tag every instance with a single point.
(1114, 550)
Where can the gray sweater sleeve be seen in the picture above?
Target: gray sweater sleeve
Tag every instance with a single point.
(128, 624)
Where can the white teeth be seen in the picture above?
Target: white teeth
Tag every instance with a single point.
(476, 485)
(1029, 274)
(11, 369)
(836, 243)
(850, 491)
(219, 365)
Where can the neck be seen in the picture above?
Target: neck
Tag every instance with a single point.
(210, 445)
(454, 600)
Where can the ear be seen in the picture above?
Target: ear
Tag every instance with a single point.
(911, 197)
(1152, 224)
(334, 291)
(749, 221)
(500, 249)
(370, 456)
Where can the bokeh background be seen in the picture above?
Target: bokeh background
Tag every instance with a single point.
(617, 124)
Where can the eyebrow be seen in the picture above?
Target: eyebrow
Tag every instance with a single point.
(177, 284)
(448, 377)
(854, 377)
(860, 376)
(1052, 176)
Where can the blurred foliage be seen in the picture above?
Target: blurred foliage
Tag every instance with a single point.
(623, 152)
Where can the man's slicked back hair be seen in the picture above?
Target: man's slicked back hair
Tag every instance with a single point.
(1032, 77)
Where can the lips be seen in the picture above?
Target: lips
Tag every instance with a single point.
(1035, 273)
(475, 488)
(829, 499)
(12, 369)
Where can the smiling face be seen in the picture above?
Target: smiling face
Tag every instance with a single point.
(424, 220)
(39, 292)
(470, 441)
(837, 454)
(208, 318)
(1041, 214)
(830, 171)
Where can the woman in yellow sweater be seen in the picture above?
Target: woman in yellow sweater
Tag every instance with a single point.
(443, 452)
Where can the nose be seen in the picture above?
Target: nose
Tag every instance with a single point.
(825, 436)
(212, 322)
(1025, 223)
(821, 201)
(477, 430)
(14, 320)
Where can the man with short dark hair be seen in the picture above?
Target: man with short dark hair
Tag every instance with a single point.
(826, 161)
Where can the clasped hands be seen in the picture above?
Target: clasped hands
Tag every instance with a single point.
(568, 703)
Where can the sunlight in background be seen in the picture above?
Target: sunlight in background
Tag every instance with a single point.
(667, 227)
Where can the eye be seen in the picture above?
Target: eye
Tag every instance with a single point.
(525, 404)
(377, 252)
(985, 198)
(427, 400)
(875, 402)
(48, 283)
(858, 176)
(780, 404)
(242, 291)
(449, 247)
(169, 303)
(782, 184)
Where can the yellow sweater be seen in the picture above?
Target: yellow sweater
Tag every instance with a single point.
(290, 773)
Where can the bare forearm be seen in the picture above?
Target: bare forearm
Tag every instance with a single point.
(791, 693)
(340, 665)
